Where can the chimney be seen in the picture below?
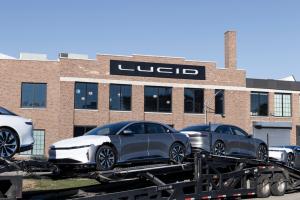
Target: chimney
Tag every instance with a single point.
(230, 49)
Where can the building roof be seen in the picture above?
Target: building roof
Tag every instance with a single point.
(4, 56)
(273, 84)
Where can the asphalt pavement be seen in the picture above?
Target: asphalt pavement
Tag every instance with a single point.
(291, 196)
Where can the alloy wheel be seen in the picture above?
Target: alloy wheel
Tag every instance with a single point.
(262, 153)
(8, 143)
(290, 160)
(219, 149)
(106, 158)
(177, 153)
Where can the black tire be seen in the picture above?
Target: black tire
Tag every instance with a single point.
(279, 185)
(106, 158)
(177, 153)
(262, 152)
(9, 143)
(263, 189)
(290, 160)
(219, 148)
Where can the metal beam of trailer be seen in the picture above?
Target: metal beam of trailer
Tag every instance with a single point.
(203, 177)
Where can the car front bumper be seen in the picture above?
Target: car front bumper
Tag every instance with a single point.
(72, 155)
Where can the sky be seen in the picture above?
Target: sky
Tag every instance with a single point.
(268, 31)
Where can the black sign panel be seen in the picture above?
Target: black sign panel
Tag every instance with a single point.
(160, 70)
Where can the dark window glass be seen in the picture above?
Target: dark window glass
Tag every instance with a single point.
(81, 130)
(224, 130)
(86, 95)
(219, 101)
(120, 97)
(152, 128)
(33, 95)
(108, 129)
(259, 104)
(158, 99)
(196, 128)
(238, 131)
(4, 111)
(193, 100)
(137, 128)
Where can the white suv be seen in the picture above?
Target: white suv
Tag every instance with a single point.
(16, 133)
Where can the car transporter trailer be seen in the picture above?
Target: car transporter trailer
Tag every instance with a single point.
(205, 176)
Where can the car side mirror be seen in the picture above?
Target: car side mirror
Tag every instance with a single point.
(250, 136)
(127, 132)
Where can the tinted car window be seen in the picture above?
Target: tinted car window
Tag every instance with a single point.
(154, 128)
(238, 131)
(109, 129)
(137, 128)
(224, 130)
(4, 111)
(196, 128)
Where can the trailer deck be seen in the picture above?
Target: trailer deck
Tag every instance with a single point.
(205, 176)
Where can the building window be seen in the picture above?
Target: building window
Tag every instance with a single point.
(158, 99)
(80, 130)
(86, 95)
(33, 95)
(259, 104)
(39, 144)
(120, 97)
(219, 102)
(282, 105)
(193, 100)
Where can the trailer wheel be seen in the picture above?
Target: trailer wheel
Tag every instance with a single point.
(279, 185)
(263, 187)
(290, 160)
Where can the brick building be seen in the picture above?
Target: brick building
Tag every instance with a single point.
(73, 94)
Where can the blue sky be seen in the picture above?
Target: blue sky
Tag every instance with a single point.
(268, 30)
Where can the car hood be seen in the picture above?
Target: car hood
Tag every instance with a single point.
(81, 141)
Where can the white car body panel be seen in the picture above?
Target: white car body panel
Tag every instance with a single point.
(280, 155)
(24, 131)
(82, 149)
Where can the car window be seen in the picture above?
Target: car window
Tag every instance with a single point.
(109, 129)
(136, 128)
(152, 128)
(238, 131)
(196, 128)
(4, 111)
(223, 130)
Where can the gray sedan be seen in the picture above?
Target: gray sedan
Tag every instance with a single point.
(226, 140)
(122, 142)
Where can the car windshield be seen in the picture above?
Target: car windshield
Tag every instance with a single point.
(109, 129)
(4, 111)
(196, 128)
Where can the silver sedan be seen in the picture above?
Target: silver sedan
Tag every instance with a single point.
(224, 139)
(122, 142)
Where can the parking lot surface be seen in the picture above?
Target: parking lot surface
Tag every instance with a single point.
(292, 196)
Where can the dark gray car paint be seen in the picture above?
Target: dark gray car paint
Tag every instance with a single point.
(234, 144)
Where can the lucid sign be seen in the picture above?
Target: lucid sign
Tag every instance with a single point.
(129, 68)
